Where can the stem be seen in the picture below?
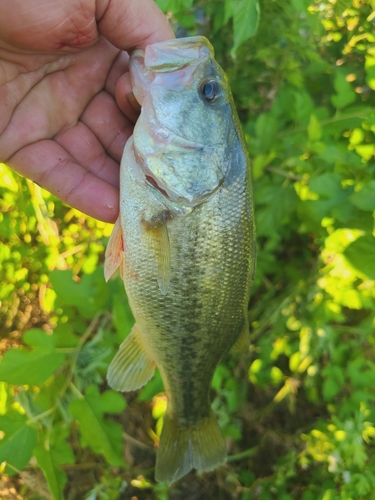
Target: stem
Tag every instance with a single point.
(137, 443)
(282, 172)
(326, 122)
(244, 454)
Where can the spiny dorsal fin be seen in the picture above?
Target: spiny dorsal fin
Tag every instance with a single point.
(131, 368)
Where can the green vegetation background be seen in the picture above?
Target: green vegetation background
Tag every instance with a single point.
(298, 412)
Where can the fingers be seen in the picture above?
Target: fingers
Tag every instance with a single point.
(49, 165)
(42, 25)
(86, 150)
(110, 126)
(125, 98)
(56, 101)
(119, 67)
(133, 23)
(118, 85)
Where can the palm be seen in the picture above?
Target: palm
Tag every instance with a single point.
(66, 119)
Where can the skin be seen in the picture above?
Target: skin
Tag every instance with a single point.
(66, 107)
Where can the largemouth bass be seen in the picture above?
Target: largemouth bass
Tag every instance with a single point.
(184, 242)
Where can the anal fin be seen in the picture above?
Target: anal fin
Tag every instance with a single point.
(243, 342)
(114, 254)
(131, 368)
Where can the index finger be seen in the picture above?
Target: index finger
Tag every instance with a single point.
(130, 24)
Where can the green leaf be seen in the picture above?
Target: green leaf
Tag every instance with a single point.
(345, 94)
(279, 204)
(102, 435)
(122, 315)
(4, 252)
(303, 107)
(265, 128)
(64, 336)
(332, 200)
(18, 442)
(50, 458)
(165, 5)
(334, 381)
(300, 5)
(75, 294)
(361, 255)
(246, 15)
(365, 198)
(7, 179)
(31, 367)
(228, 10)
(370, 71)
(314, 130)
(260, 162)
(3, 398)
(341, 6)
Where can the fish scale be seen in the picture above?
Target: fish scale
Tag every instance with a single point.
(189, 252)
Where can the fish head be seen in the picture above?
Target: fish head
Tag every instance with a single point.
(181, 137)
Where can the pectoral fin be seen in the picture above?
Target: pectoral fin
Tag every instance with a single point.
(114, 254)
(243, 342)
(131, 368)
(159, 238)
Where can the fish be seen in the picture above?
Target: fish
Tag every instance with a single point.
(185, 244)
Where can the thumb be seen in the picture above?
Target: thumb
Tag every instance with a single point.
(130, 24)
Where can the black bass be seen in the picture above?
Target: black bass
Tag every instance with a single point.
(184, 242)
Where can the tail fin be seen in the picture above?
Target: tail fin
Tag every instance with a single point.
(183, 448)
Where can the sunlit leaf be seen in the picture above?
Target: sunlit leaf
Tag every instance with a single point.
(361, 254)
(314, 130)
(31, 366)
(18, 442)
(365, 198)
(246, 15)
(344, 92)
(341, 6)
(102, 435)
(50, 458)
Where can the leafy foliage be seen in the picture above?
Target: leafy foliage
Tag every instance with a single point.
(298, 416)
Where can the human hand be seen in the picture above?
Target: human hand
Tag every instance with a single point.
(65, 108)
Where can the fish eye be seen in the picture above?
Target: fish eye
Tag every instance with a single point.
(210, 90)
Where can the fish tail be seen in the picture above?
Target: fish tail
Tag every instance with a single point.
(183, 448)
